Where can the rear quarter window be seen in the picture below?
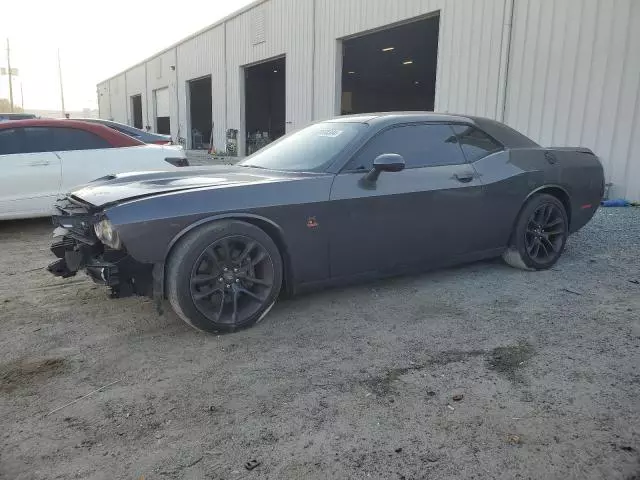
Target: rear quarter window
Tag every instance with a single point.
(475, 143)
(67, 139)
(129, 133)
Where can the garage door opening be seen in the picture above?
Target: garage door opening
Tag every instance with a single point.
(161, 111)
(392, 69)
(200, 108)
(136, 110)
(265, 103)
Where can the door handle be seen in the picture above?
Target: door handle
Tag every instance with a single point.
(464, 177)
(39, 163)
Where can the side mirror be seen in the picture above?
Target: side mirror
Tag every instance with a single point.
(387, 162)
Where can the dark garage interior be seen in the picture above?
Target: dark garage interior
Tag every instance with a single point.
(163, 125)
(265, 103)
(136, 110)
(200, 108)
(161, 109)
(392, 69)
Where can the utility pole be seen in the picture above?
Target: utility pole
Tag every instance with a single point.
(61, 89)
(21, 96)
(9, 72)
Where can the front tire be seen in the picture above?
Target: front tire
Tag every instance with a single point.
(540, 234)
(224, 276)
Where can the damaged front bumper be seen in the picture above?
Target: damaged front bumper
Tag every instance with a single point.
(78, 249)
(116, 270)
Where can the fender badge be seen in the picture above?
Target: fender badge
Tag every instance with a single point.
(312, 222)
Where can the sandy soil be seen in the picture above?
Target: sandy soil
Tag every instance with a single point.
(475, 372)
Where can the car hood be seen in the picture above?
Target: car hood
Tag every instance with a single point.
(112, 189)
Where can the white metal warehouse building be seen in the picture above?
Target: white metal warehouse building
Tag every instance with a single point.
(564, 72)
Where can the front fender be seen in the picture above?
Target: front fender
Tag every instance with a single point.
(225, 216)
(150, 227)
(269, 226)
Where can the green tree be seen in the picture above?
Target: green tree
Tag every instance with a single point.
(5, 106)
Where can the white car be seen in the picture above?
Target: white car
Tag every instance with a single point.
(41, 159)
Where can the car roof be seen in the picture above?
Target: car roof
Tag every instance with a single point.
(124, 126)
(504, 134)
(18, 115)
(103, 121)
(115, 138)
(48, 122)
(392, 117)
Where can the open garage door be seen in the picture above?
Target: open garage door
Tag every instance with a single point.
(162, 111)
(136, 111)
(392, 69)
(265, 103)
(200, 112)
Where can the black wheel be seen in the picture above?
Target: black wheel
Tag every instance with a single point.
(224, 276)
(540, 234)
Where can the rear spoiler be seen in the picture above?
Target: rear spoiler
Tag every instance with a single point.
(572, 149)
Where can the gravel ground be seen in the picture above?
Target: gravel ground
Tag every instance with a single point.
(481, 371)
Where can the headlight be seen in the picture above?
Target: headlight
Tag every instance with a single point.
(107, 234)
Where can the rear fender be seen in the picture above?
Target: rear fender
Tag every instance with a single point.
(567, 203)
(544, 188)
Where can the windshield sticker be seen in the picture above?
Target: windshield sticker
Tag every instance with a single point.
(332, 133)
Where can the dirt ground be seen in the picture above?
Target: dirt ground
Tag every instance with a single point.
(481, 371)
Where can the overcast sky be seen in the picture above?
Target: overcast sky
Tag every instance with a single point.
(97, 39)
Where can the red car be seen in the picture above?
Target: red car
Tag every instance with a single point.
(42, 159)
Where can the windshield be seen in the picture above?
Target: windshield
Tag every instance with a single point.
(307, 150)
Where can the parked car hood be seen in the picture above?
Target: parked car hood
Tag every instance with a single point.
(128, 186)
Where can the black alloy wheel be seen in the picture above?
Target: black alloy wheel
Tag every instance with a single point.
(539, 235)
(231, 279)
(545, 233)
(224, 276)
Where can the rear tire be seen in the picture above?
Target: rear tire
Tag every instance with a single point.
(224, 276)
(540, 234)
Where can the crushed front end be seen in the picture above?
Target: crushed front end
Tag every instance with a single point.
(77, 246)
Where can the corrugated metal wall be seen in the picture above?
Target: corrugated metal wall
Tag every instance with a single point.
(160, 75)
(118, 96)
(468, 57)
(573, 67)
(574, 79)
(287, 30)
(198, 57)
(136, 85)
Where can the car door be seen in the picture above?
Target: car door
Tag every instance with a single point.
(31, 174)
(85, 156)
(502, 193)
(424, 214)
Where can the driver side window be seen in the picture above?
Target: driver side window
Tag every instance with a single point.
(10, 142)
(422, 145)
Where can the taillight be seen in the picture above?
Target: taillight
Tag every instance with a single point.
(162, 142)
(177, 162)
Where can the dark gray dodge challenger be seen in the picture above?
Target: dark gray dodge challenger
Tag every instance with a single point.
(348, 199)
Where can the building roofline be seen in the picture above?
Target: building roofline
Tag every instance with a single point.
(220, 22)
